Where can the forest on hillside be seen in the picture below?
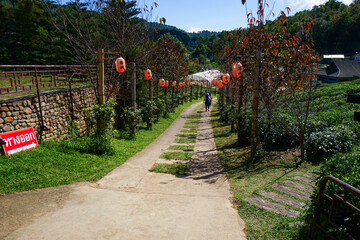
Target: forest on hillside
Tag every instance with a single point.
(29, 37)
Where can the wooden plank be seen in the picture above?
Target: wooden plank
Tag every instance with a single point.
(282, 199)
(270, 206)
(291, 191)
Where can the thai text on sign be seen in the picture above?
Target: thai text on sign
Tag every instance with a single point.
(19, 140)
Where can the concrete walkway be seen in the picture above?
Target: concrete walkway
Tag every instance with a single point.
(133, 203)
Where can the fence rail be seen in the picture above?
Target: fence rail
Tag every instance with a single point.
(336, 215)
(16, 79)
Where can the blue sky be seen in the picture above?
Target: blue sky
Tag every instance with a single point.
(218, 15)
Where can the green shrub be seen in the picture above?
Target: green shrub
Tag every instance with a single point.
(346, 167)
(278, 138)
(325, 143)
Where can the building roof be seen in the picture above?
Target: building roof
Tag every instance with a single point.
(205, 76)
(334, 56)
(341, 69)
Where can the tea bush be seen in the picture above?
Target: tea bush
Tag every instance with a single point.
(332, 140)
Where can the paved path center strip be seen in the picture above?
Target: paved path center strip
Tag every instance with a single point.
(133, 203)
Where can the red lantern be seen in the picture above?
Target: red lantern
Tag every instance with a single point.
(205, 83)
(120, 65)
(166, 84)
(162, 82)
(220, 84)
(183, 84)
(174, 84)
(180, 85)
(226, 78)
(214, 82)
(196, 83)
(191, 84)
(147, 74)
(201, 84)
(237, 69)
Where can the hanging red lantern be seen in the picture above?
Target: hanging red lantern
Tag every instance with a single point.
(166, 84)
(201, 84)
(196, 83)
(147, 74)
(237, 69)
(183, 84)
(180, 85)
(174, 84)
(162, 82)
(226, 78)
(191, 84)
(220, 84)
(214, 82)
(205, 83)
(120, 65)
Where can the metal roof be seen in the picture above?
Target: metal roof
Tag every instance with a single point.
(208, 75)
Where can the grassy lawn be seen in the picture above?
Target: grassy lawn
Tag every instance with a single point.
(190, 136)
(176, 169)
(183, 140)
(177, 155)
(56, 163)
(247, 179)
(182, 147)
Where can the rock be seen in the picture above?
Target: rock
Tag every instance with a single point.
(8, 119)
(5, 109)
(27, 110)
(7, 128)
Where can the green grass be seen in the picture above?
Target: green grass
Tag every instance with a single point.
(192, 122)
(248, 178)
(190, 136)
(190, 126)
(189, 131)
(177, 155)
(181, 147)
(56, 163)
(176, 169)
(182, 140)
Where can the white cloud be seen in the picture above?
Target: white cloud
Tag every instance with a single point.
(308, 4)
(196, 30)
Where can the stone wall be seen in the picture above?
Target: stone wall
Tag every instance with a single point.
(23, 112)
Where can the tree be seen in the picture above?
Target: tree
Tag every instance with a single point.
(277, 66)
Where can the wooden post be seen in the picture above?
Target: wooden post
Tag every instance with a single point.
(133, 96)
(240, 103)
(255, 105)
(232, 126)
(149, 126)
(191, 92)
(101, 88)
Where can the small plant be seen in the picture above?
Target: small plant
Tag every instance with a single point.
(132, 119)
(99, 120)
(147, 114)
(72, 129)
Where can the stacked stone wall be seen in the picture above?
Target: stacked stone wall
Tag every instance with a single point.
(23, 112)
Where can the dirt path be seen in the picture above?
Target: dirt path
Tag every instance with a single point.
(131, 202)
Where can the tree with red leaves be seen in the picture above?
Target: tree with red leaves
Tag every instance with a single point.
(278, 68)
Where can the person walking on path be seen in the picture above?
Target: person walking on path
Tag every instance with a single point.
(207, 101)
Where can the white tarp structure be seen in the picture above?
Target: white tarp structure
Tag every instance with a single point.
(208, 75)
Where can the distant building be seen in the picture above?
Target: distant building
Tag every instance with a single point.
(340, 70)
(334, 56)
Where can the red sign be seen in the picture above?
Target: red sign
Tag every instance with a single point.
(19, 140)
